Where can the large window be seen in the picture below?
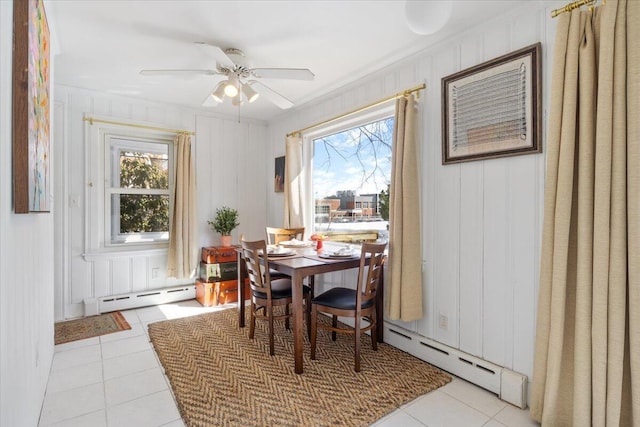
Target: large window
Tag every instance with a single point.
(351, 180)
(137, 190)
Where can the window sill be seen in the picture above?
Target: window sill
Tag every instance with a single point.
(122, 253)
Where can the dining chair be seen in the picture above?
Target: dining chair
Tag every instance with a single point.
(358, 303)
(277, 235)
(267, 293)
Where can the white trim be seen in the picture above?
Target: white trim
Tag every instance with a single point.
(371, 115)
(101, 255)
(99, 136)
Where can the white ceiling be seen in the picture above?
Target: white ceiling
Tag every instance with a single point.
(102, 45)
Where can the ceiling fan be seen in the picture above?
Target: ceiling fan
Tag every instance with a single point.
(238, 77)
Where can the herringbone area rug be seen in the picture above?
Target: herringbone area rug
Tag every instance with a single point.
(222, 378)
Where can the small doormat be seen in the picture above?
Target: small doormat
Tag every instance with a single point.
(88, 327)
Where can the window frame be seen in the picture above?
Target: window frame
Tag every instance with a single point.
(148, 144)
(350, 121)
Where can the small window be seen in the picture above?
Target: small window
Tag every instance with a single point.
(137, 191)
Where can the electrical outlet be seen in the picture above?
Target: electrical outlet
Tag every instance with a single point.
(155, 272)
(443, 321)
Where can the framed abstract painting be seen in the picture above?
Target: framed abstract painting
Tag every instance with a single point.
(31, 108)
(493, 109)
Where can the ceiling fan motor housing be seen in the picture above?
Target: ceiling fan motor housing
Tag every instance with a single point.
(240, 68)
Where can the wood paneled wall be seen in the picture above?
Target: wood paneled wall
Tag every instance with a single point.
(230, 170)
(482, 220)
(26, 275)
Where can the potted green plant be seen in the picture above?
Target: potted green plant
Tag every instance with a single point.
(225, 222)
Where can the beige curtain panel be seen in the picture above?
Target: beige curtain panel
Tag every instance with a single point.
(587, 353)
(183, 238)
(294, 185)
(404, 288)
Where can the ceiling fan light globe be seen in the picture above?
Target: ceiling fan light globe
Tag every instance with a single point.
(250, 93)
(218, 93)
(237, 100)
(231, 89)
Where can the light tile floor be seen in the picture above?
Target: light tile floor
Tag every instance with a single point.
(117, 381)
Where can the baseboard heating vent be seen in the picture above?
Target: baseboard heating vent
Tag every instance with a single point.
(510, 386)
(143, 299)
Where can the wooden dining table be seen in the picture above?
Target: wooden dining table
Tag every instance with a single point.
(305, 262)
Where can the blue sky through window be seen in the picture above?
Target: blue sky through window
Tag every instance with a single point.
(358, 159)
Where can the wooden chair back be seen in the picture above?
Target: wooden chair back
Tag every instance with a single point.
(259, 279)
(369, 272)
(277, 235)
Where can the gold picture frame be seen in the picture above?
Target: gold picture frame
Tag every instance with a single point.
(493, 109)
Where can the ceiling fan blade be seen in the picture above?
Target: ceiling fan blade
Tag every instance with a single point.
(178, 72)
(216, 53)
(283, 73)
(272, 95)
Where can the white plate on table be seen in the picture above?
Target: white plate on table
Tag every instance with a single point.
(280, 253)
(295, 244)
(338, 255)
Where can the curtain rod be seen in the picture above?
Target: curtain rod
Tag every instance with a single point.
(92, 120)
(569, 7)
(357, 110)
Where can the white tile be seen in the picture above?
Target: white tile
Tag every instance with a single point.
(72, 403)
(437, 409)
(134, 386)
(493, 423)
(515, 417)
(77, 376)
(149, 411)
(148, 314)
(398, 419)
(77, 344)
(131, 316)
(135, 331)
(125, 346)
(172, 311)
(77, 356)
(176, 423)
(129, 363)
(94, 419)
(474, 396)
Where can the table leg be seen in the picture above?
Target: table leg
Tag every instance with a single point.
(298, 320)
(242, 275)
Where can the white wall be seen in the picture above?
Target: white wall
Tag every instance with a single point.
(26, 276)
(481, 220)
(229, 171)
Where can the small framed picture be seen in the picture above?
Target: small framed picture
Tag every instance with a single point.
(493, 109)
(278, 183)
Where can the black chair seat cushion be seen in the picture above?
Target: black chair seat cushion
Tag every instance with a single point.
(340, 298)
(280, 288)
(275, 274)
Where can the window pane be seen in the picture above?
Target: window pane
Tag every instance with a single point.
(351, 179)
(140, 213)
(141, 169)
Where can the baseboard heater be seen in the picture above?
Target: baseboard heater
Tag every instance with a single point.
(509, 385)
(139, 299)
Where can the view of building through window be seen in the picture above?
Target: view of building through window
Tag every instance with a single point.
(351, 179)
(139, 193)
